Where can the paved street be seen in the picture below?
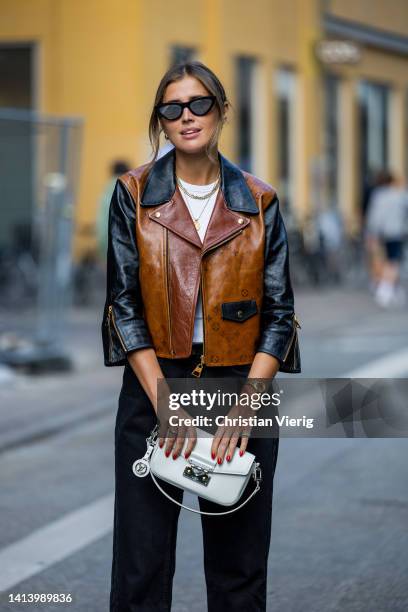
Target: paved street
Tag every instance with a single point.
(340, 514)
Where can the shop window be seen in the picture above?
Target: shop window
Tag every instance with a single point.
(373, 104)
(245, 82)
(331, 137)
(285, 85)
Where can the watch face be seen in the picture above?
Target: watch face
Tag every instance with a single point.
(259, 386)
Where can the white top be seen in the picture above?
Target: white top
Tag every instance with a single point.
(387, 214)
(195, 208)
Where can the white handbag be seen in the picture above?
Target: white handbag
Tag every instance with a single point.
(200, 474)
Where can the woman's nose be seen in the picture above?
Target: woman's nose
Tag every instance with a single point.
(187, 114)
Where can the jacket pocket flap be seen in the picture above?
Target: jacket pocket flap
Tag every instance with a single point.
(239, 311)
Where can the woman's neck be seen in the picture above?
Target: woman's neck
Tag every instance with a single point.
(196, 169)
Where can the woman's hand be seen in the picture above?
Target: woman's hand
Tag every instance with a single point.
(226, 437)
(174, 436)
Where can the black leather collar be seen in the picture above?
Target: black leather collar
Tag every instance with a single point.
(161, 185)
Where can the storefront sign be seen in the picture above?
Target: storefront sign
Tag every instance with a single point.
(338, 52)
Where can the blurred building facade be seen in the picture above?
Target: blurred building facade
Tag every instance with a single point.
(319, 89)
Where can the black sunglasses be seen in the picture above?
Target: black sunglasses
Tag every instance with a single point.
(173, 110)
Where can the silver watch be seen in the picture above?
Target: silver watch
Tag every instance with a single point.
(258, 385)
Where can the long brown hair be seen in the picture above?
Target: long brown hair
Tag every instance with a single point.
(210, 81)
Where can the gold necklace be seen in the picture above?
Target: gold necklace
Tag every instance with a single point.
(200, 197)
(196, 220)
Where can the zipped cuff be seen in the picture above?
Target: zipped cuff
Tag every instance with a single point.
(120, 339)
(283, 347)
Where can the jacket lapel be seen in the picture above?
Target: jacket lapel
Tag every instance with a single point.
(175, 216)
(223, 224)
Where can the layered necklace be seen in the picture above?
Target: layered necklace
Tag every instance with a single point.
(205, 196)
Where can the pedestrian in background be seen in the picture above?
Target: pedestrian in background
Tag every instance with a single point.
(387, 224)
(373, 248)
(117, 168)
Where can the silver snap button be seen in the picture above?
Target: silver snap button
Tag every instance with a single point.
(240, 220)
(157, 214)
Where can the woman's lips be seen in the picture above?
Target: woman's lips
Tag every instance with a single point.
(190, 135)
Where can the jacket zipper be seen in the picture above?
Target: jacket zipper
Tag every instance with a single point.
(110, 338)
(166, 251)
(295, 325)
(111, 317)
(200, 365)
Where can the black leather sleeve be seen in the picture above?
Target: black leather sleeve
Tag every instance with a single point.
(278, 330)
(123, 326)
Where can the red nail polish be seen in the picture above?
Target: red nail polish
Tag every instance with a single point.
(187, 455)
(219, 460)
(241, 452)
(161, 444)
(175, 456)
(213, 455)
(167, 453)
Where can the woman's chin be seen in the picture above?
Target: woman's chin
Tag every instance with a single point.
(191, 148)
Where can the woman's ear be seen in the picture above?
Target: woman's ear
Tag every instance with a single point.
(225, 114)
(163, 130)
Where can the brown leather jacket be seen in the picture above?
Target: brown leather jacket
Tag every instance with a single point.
(156, 264)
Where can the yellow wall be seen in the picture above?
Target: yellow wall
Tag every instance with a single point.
(102, 60)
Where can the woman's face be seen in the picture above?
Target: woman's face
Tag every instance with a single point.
(189, 133)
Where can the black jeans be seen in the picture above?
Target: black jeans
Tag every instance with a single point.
(236, 546)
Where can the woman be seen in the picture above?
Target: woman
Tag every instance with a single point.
(198, 285)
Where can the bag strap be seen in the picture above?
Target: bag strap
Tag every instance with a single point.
(258, 486)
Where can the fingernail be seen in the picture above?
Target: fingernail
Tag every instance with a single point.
(161, 444)
(213, 455)
(175, 456)
(241, 452)
(187, 455)
(219, 460)
(167, 453)
(228, 457)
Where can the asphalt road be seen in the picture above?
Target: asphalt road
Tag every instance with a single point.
(340, 511)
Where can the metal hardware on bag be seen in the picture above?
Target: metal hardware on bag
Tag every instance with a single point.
(153, 435)
(257, 473)
(198, 474)
(200, 466)
(141, 467)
